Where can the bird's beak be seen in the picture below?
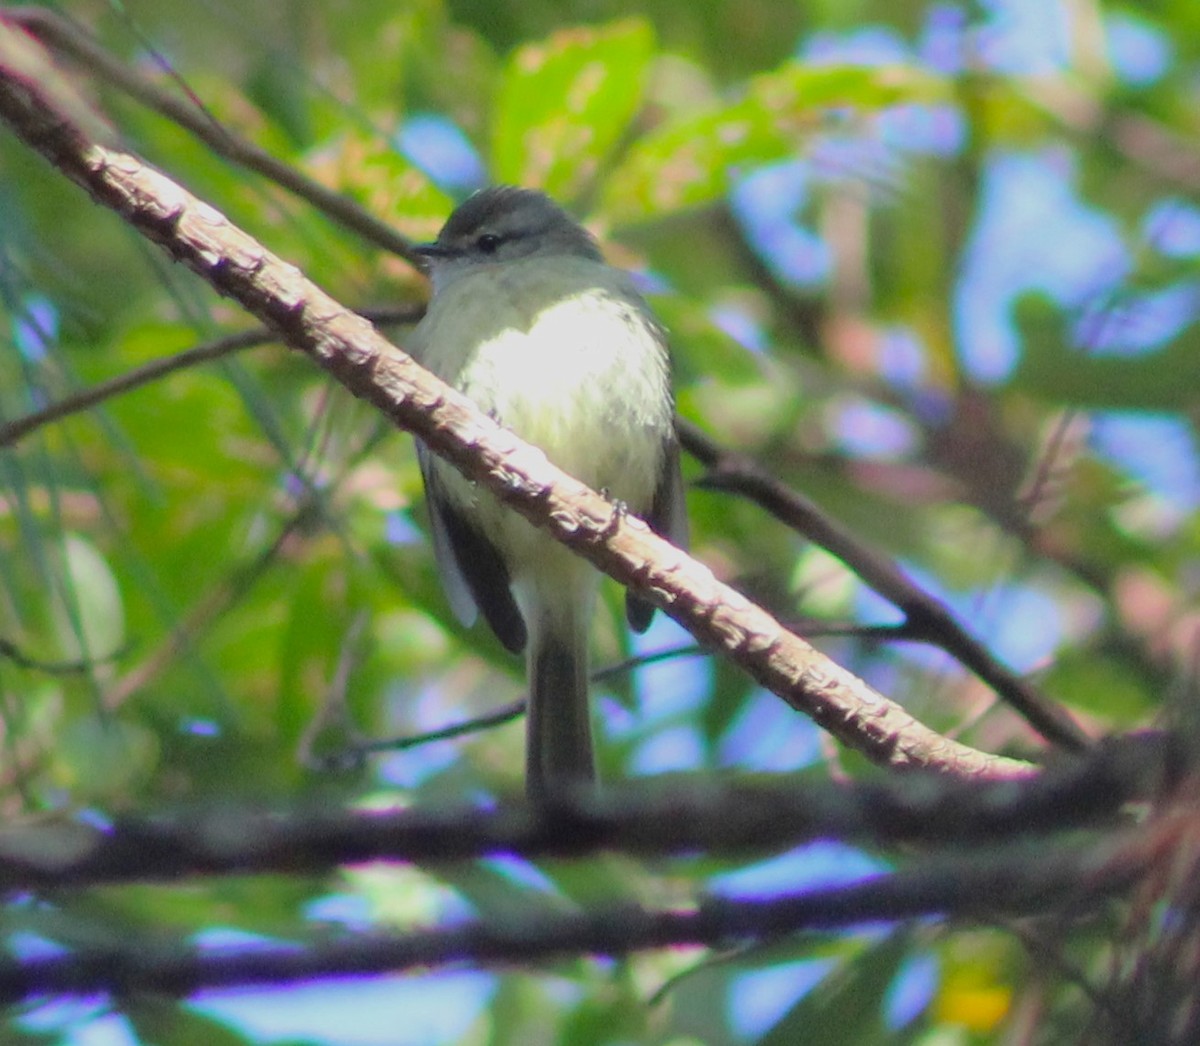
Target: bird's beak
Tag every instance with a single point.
(429, 253)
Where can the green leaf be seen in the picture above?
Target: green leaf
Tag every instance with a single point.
(163, 1020)
(847, 1006)
(564, 103)
(1100, 684)
(100, 757)
(90, 613)
(689, 161)
(278, 88)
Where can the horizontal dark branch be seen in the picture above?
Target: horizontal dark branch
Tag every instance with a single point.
(985, 886)
(660, 818)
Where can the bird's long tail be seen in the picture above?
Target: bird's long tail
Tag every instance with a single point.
(558, 757)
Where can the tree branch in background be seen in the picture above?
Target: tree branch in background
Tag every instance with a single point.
(983, 887)
(14, 431)
(1016, 874)
(63, 36)
(667, 817)
(926, 618)
(352, 351)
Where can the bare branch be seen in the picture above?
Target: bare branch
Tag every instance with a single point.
(14, 431)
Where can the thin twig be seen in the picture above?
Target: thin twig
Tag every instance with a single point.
(152, 371)
(62, 35)
(513, 710)
(9, 651)
(498, 717)
(14, 431)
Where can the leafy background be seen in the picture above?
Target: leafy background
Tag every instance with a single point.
(933, 264)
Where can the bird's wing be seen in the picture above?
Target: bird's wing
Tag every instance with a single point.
(667, 518)
(473, 573)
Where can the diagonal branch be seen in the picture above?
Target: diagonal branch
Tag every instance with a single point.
(16, 430)
(60, 34)
(351, 350)
(926, 618)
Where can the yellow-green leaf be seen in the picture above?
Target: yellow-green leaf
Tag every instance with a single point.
(89, 612)
(689, 161)
(564, 103)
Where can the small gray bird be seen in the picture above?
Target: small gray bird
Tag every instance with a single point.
(529, 322)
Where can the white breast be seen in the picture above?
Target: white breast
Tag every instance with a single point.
(562, 351)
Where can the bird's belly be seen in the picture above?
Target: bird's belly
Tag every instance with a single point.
(569, 361)
(587, 384)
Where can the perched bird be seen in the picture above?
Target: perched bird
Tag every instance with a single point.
(528, 321)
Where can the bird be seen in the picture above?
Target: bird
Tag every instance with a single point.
(528, 320)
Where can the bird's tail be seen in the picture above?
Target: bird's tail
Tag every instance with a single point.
(558, 730)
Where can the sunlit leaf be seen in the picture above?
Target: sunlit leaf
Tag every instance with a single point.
(690, 160)
(89, 610)
(564, 103)
(1102, 685)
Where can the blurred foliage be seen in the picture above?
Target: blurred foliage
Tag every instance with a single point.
(233, 556)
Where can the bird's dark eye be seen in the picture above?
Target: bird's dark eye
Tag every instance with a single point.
(488, 242)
